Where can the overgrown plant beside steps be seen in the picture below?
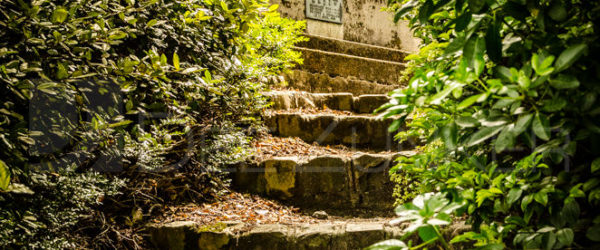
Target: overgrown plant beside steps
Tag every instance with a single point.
(505, 93)
(100, 95)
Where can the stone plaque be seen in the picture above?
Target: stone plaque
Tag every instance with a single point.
(324, 10)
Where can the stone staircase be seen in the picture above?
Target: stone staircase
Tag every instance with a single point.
(351, 80)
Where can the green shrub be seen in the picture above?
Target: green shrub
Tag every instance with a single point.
(505, 93)
(101, 85)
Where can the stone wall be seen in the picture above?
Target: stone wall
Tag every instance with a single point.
(363, 21)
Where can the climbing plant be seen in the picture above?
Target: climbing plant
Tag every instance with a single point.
(96, 86)
(504, 96)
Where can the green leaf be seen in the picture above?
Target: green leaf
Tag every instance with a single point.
(525, 202)
(522, 124)
(542, 68)
(523, 80)
(506, 139)
(450, 135)
(565, 236)
(514, 195)
(407, 7)
(547, 63)
(425, 11)
(571, 211)
(456, 45)
(273, 7)
(541, 197)
(596, 165)
(4, 176)
(466, 122)
(504, 73)
(593, 233)
(117, 35)
(388, 245)
(427, 233)
(395, 126)
(151, 23)
(483, 134)
(59, 15)
(535, 62)
(554, 104)
(473, 53)
(176, 61)
(493, 42)
(569, 56)
(541, 126)
(437, 99)
(563, 81)
(468, 102)
(61, 72)
(464, 237)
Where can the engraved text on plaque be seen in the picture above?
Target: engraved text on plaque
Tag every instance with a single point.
(325, 10)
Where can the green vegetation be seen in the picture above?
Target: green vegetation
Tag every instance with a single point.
(98, 95)
(504, 94)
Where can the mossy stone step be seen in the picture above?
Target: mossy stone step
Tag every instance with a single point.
(353, 48)
(326, 235)
(324, 83)
(355, 131)
(287, 100)
(338, 182)
(336, 64)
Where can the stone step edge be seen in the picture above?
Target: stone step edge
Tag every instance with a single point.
(336, 64)
(324, 182)
(343, 101)
(352, 235)
(355, 131)
(387, 155)
(316, 82)
(367, 59)
(340, 235)
(353, 48)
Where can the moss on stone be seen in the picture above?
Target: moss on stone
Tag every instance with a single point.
(213, 241)
(215, 227)
(280, 177)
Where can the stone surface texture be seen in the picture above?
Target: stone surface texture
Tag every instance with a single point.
(355, 131)
(323, 182)
(289, 100)
(326, 235)
(336, 64)
(353, 48)
(325, 83)
(363, 21)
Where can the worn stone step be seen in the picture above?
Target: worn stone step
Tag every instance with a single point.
(354, 131)
(353, 48)
(325, 235)
(339, 182)
(336, 64)
(288, 100)
(324, 83)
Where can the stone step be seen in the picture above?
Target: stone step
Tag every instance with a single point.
(287, 100)
(334, 183)
(336, 64)
(325, 235)
(354, 131)
(353, 48)
(324, 83)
